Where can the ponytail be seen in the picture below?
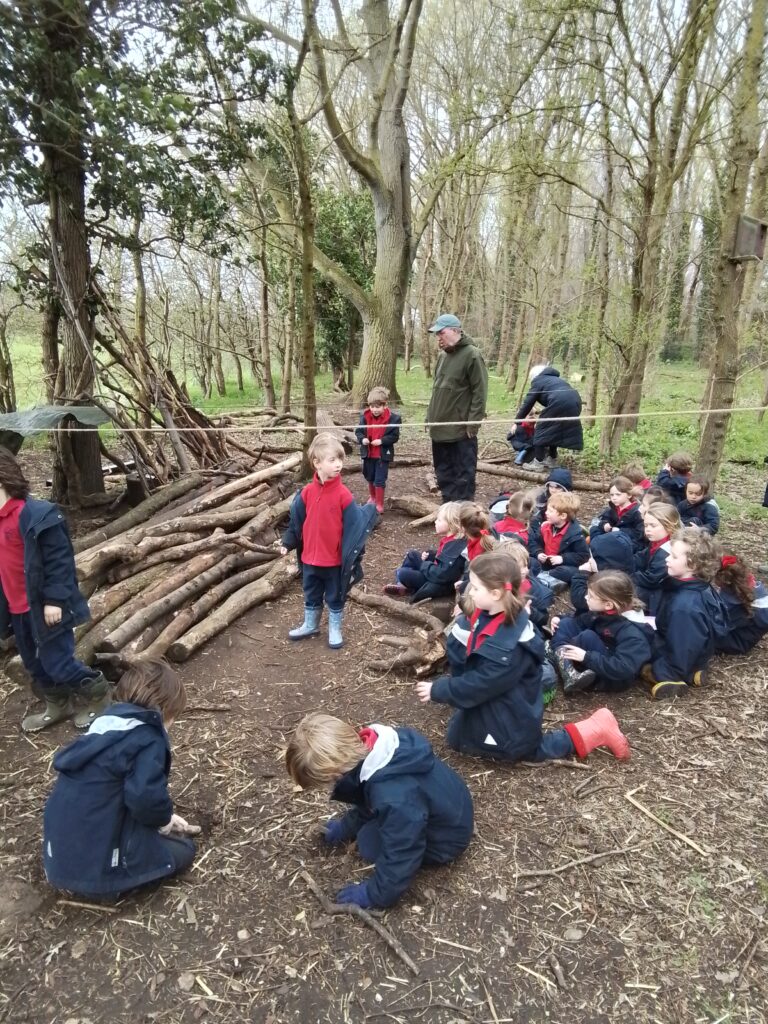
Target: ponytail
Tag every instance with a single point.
(477, 526)
(499, 571)
(733, 575)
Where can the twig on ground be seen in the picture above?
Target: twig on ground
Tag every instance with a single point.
(558, 972)
(363, 915)
(673, 831)
(755, 941)
(535, 974)
(560, 762)
(89, 906)
(551, 872)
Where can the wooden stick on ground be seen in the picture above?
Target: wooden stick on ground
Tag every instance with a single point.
(363, 915)
(388, 606)
(553, 872)
(673, 831)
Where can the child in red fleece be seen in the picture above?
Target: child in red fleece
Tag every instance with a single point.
(328, 530)
(519, 510)
(377, 432)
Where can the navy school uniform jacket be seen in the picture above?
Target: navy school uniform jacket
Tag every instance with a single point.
(704, 514)
(49, 572)
(541, 597)
(446, 569)
(573, 546)
(559, 475)
(673, 485)
(689, 620)
(612, 550)
(496, 687)
(388, 441)
(357, 523)
(101, 820)
(421, 806)
(742, 630)
(629, 522)
(650, 574)
(629, 646)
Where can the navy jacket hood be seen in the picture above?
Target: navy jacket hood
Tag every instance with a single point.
(562, 477)
(613, 551)
(117, 723)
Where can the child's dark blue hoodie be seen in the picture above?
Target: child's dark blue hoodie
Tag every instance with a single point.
(612, 550)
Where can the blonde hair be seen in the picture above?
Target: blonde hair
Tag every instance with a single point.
(153, 684)
(378, 395)
(515, 548)
(474, 519)
(634, 471)
(666, 514)
(325, 444)
(565, 501)
(321, 749)
(498, 570)
(450, 512)
(704, 552)
(521, 505)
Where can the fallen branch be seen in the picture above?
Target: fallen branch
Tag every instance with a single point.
(388, 606)
(673, 831)
(553, 872)
(413, 505)
(354, 911)
(535, 479)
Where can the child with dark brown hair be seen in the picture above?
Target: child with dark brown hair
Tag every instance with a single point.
(41, 603)
(108, 820)
(496, 679)
(622, 513)
(674, 475)
(746, 606)
(699, 508)
(635, 472)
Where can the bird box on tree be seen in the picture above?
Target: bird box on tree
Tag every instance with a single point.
(749, 243)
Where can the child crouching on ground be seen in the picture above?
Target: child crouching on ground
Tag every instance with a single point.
(377, 433)
(108, 821)
(408, 807)
(432, 574)
(328, 530)
(745, 602)
(690, 616)
(603, 649)
(558, 547)
(41, 603)
(496, 685)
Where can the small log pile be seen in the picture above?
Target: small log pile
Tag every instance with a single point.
(182, 566)
(422, 652)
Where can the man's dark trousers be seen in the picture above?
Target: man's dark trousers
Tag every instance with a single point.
(455, 465)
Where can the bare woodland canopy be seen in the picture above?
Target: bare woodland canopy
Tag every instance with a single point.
(223, 190)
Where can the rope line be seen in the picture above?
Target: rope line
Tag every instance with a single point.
(420, 425)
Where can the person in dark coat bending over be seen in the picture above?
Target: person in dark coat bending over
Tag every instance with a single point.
(557, 399)
(459, 395)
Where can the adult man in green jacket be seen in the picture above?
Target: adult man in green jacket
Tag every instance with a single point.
(459, 394)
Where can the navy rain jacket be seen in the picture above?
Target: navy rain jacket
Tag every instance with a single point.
(560, 476)
(689, 622)
(357, 523)
(650, 575)
(557, 398)
(421, 806)
(673, 485)
(610, 551)
(49, 572)
(629, 648)
(630, 523)
(388, 441)
(743, 631)
(497, 690)
(704, 514)
(573, 546)
(101, 820)
(441, 573)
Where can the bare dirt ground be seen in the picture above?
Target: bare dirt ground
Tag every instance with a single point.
(571, 904)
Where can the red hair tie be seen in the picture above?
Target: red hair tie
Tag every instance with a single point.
(508, 586)
(727, 560)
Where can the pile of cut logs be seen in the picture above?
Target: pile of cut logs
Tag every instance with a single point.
(182, 566)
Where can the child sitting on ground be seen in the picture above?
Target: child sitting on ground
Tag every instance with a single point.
(622, 513)
(434, 573)
(674, 475)
(476, 527)
(108, 821)
(328, 530)
(690, 616)
(559, 481)
(41, 603)
(377, 433)
(635, 472)
(496, 681)
(653, 496)
(558, 547)
(745, 602)
(408, 807)
(518, 515)
(699, 508)
(538, 596)
(660, 522)
(603, 648)
(612, 550)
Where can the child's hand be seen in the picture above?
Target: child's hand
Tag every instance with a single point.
(607, 528)
(528, 604)
(555, 559)
(424, 691)
(178, 824)
(376, 444)
(554, 622)
(51, 614)
(572, 653)
(424, 556)
(542, 557)
(366, 441)
(283, 549)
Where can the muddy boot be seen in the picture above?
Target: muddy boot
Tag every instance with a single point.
(600, 730)
(379, 500)
(309, 627)
(396, 590)
(573, 680)
(335, 639)
(372, 495)
(57, 709)
(92, 697)
(669, 688)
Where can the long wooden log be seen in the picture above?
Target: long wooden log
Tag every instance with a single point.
(110, 598)
(413, 505)
(272, 585)
(252, 479)
(141, 513)
(185, 619)
(92, 563)
(535, 479)
(388, 606)
(230, 516)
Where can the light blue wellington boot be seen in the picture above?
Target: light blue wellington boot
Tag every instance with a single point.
(335, 639)
(309, 627)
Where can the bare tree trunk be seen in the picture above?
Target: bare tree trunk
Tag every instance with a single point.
(266, 358)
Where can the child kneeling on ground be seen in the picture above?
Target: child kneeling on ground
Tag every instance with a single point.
(108, 820)
(496, 686)
(408, 807)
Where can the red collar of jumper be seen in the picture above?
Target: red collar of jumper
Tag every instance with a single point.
(445, 540)
(376, 426)
(525, 586)
(476, 638)
(369, 737)
(529, 426)
(656, 544)
(475, 545)
(626, 508)
(645, 484)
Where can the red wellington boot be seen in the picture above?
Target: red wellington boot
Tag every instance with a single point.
(372, 493)
(379, 500)
(600, 730)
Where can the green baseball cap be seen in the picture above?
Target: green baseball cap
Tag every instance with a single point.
(443, 321)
